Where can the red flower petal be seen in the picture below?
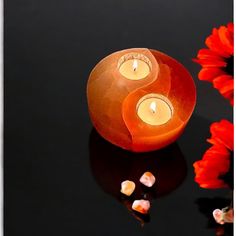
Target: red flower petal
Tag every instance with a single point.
(226, 89)
(222, 133)
(226, 39)
(210, 62)
(214, 43)
(230, 27)
(216, 151)
(214, 164)
(213, 184)
(225, 85)
(210, 73)
(205, 53)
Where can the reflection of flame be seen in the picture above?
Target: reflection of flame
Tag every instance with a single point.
(135, 65)
(153, 107)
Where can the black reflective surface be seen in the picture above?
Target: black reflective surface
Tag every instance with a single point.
(60, 177)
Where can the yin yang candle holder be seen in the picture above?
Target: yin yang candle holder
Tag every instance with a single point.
(140, 99)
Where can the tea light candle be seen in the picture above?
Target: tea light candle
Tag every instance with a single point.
(134, 66)
(134, 69)
(140, 99)
(154, 109)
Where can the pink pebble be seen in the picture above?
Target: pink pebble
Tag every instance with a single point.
(147, 179)
(218, 216)
(141, 206)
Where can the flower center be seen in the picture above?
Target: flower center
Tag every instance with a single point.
(229, 176)
(230, 65)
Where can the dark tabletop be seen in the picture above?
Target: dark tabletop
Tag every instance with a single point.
(60, 175)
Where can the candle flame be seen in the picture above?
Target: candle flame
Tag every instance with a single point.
(153, 107)
(135, 65)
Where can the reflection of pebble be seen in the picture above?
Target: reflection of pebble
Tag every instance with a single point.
(127, 187)
(141, 206)
(223, 216)
(218, 216)
(147, 179)
(226, 215)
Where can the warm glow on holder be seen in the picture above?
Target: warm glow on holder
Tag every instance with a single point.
(140, 99)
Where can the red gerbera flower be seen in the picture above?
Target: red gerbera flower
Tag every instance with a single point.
(216, 160)
(222, 133)
(217, 60)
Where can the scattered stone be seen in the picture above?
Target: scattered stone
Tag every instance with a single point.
(148, 179)
(127, 187)
(141, 206)
(226, 215)
(218, 216)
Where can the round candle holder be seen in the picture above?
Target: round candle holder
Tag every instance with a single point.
(140, 99)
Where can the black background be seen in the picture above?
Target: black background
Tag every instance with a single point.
(52, 186)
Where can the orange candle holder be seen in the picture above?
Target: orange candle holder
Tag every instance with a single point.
(140, 99)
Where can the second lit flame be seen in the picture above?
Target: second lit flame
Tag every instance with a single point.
(135, 65)
(153, 107)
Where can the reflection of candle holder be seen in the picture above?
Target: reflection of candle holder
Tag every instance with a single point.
(111, 165)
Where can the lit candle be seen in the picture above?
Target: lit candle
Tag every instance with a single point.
(140, 99)
(134, 66)
(154, 109)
